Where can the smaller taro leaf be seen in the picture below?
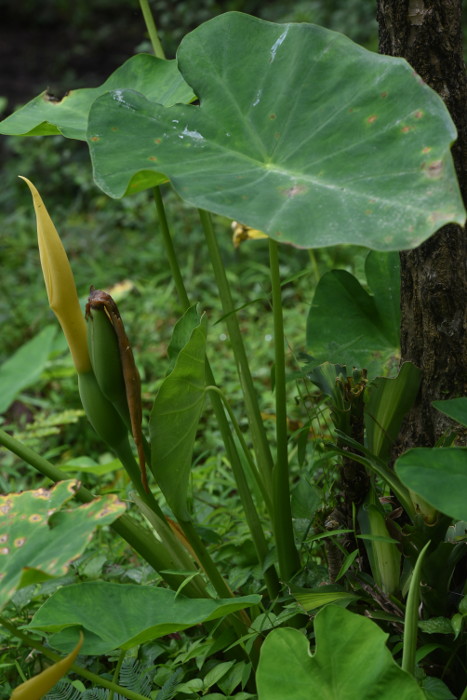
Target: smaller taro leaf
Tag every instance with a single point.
(300, 133)
(145, 613)
(454, 408)
(38, 540)
(364, 331)
(158, 80)
(438, 475)
(351, 662)
(175, 417)
(25, 366)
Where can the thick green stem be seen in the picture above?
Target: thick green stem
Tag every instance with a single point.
(93, 677)
(251, 514)
(289, 561)
(137, 537)
(170, 250)
(231, 450)
(152, 30)
(240, 622)
(260, 442)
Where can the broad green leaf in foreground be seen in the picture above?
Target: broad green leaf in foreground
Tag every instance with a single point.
(351, 662)
(348, 325)
(299, 133)
(25, 366)
(438, 475)
(176, 413)
(156, 79)
(38, 541)
(129, 614)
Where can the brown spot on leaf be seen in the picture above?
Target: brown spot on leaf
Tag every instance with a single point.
(427, 149)
(372, 118)
(95, 138)
(35, 518)
(272, 116)
(19, 541)
(114, 128)
(384, 94)
(405, 129)
(433, 170)
(437, 216)
(418, 114)
(152, 158)
(294, 190)
(157, 140)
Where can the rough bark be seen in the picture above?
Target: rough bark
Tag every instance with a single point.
(427, 33)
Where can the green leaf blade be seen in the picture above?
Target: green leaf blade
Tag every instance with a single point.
(175, 417)
(364, 331)
(358, 152)
(351, 662)
(38, 540)
(129, 614)
(157, 79)
(438, 475)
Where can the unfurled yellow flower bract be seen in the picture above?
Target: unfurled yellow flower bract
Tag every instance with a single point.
(37, 686)
(60, 284)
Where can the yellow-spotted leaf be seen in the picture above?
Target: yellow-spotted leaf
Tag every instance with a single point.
(40, 534)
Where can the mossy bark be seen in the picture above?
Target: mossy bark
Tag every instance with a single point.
(428, 34)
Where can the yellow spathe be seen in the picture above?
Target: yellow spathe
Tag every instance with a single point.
(60, 284)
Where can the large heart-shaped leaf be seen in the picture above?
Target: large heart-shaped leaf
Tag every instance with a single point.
(351, 662)
(300, 133)
(37, 542)
(114, 615)
(158, 80)
(347, 325)
(438, 475)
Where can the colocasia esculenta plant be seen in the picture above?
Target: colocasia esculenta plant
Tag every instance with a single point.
(308, 140)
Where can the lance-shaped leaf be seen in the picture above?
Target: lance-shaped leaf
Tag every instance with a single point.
(176, 413)
(387, 403)
(300, 133)
(348, 325)
(44, 116)
(438, 475)
(38, 540)
(351, 662)
(128, 614)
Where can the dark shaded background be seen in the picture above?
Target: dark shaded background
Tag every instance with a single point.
(64, 44)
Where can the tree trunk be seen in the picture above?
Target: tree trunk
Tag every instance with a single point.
(428, 34)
